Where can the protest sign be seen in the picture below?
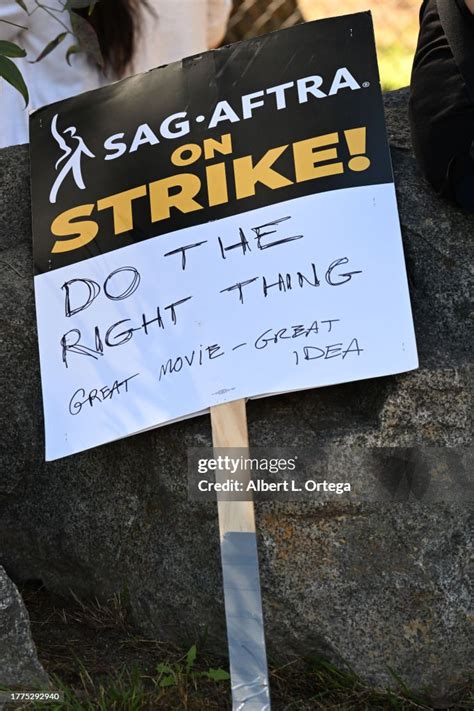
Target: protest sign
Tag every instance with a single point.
(220, 228)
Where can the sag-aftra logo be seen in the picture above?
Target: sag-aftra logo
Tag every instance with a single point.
(74, 149)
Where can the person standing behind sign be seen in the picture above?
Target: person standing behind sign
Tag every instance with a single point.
(134, 36)
(442, 98)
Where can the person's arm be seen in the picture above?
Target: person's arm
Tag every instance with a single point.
(217, 16)
(12, 15)
(441, 112)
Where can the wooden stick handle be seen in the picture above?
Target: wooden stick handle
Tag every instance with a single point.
(229, 425)
(229, 430)
(243, 601)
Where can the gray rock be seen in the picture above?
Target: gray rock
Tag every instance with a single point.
(19, 665)
(379, 585)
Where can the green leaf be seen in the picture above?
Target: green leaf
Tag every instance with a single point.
(167, 681)
(13, 76)
(80, 5)
(164, 669)
(73, 49)
(21, 3)
(50, 46)
(218, 675)
(76, 4)
(191, 658)
(9, 49)
(86, 38)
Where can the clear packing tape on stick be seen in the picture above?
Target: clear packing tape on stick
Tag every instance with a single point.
(245, 629)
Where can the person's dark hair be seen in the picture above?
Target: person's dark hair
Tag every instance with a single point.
(117, 25)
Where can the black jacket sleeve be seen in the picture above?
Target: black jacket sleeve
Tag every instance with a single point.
(441, 106)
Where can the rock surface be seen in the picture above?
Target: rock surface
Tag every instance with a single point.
(381, 586)
(19, 665)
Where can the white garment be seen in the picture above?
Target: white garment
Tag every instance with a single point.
(170, 30)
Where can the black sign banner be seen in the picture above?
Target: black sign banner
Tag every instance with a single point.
(221, 133)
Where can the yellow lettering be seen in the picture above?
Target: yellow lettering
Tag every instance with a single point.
(121, 204)
(306, 155)
(162, 199)
(217, 184)
(82, 232)
(247, 175)
(212, 145)
(177, 157)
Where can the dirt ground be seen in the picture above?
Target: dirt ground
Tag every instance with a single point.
(94, 654)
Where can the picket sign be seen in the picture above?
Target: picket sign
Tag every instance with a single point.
(218, 229)
(243, 602)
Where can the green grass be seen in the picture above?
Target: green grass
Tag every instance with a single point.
(395, 63)
(93, 654)
(173, 686)
(304, 685)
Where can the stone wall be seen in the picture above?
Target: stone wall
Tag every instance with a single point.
(19, 665)
(381, 586)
